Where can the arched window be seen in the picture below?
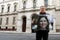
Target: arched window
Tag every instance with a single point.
(15, 6)
(23, 23)
(0, 21)
(14, 20)
(2, 8)
(7, 20)
(8, 8)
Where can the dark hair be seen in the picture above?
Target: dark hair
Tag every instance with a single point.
(40, 19)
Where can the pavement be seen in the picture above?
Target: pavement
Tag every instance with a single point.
(25, 36)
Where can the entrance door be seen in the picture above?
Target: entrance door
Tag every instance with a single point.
(24, 24)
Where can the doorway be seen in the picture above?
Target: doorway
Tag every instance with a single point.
(24, 24)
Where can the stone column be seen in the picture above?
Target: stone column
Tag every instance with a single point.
(28, 25)
(54, 28)
(19, 24)
(54, 19)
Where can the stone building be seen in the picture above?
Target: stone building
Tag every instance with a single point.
(16, 15)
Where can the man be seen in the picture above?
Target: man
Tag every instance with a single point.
(50, 17)
(40, 33)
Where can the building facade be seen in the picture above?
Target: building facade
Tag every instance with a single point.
(16, 15)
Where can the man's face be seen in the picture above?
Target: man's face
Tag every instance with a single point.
(43, 22)
(42, 9)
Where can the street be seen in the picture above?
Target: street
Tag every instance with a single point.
(26, 36)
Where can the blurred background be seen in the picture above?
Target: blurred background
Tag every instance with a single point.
(16, 15)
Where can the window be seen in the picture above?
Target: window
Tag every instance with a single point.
(13, 27)
(2, 8)
(0, 27)
(24, 4)
(15, 7)
(6, 27)
(34, 3)
(14, 20)
(46, 2)
(8, 8)
(0, 21)
(7, 20)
